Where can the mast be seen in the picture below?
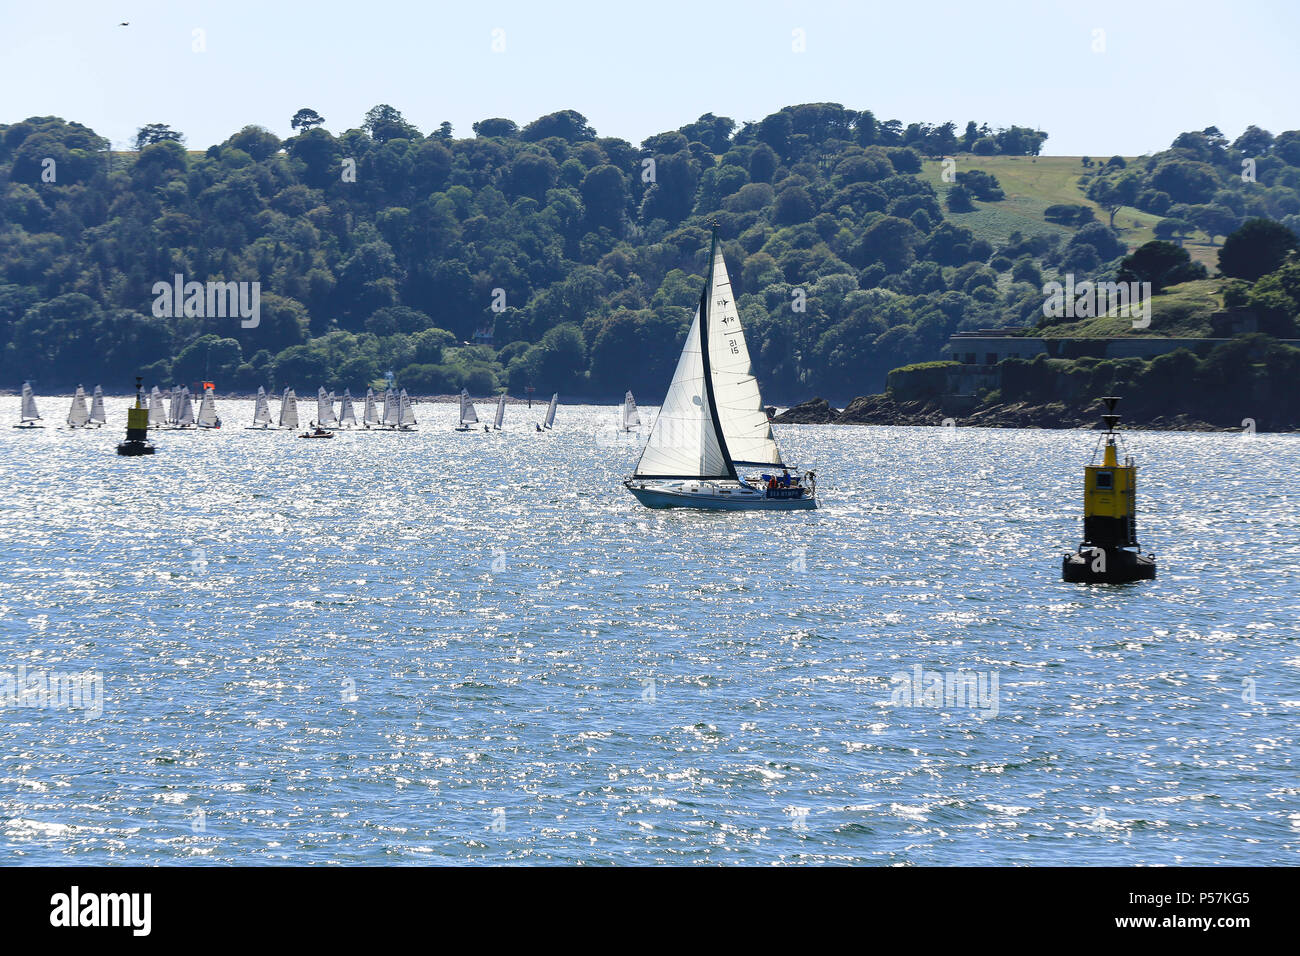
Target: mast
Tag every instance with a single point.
(706, 297)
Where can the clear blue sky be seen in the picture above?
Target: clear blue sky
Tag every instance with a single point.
(637, 68)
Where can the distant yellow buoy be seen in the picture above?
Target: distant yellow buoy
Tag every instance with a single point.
(137, 426)
(1109, 552)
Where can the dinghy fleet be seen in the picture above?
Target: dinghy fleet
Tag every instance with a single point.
(712, 423)
(174, 410)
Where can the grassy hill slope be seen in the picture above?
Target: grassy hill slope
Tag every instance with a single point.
(1032, 183)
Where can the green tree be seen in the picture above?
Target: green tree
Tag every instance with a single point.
(1256, 248)
(305, 119)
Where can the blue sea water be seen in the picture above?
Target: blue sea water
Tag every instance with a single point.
(461, 648)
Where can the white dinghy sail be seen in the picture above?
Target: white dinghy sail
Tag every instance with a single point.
(289, 409)
(185, 417)
(347, 415)
(550, 411)
(261, 410)
(391, 419)
(631, 417)
(467, 414)
(501, 412)
(78, 414)
(157, 416)
(208, 410)
(28, 416)
(406, 414)
(174, 405)
(325, 409)
(97, 414)
(371, 414)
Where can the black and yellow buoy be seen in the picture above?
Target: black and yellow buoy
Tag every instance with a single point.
(1109, 553)
(137, 426)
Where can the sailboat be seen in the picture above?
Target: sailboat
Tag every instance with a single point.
(157, 417)
(97, 415)
(185, 416)
(468, 416)
(405, 413)
(325, 409)
(550, 413)
(371, 414)
(78, 414)
(261, 411)
(347, 416)
(28, 416)
(501, 412)
(173, 406)
(713, 419)
(391, 419)
(288, 409)
(631, 418)
(208, 410)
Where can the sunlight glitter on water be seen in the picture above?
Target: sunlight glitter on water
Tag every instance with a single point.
(466, 647)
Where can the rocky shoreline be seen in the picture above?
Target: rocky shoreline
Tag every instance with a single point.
(884, 410)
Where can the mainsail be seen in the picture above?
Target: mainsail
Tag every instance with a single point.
(29, 412)
(712, 417)
(501, 412)
(371, 414)
(347, 416)
(174, 406)
(467, 414)
(631, 419)
(97, 416)
(208, 410)
(739, 405)
(78, 414)
(156, 414)
(406, 414)
(185, 417)
(289, 409)
(550, 412)
(390, 408)
(325, 408)
(262, 410)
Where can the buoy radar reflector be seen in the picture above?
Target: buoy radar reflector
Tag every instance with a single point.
(137, 426)
(1109, 552)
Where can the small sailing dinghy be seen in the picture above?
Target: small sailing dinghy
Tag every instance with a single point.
(173, 406)
(347, 415)
(713, 419)
(468, 416)
(501, 413)
(631, 417)
(550, 413)
(28, 416)
(371, 414)
(324, 409)
(208, 410)
(157, 416)
(261, 411)
(289, 409)
(97, 415)
(391, 418)
(185, 416)
(405, 413)
(79, 414)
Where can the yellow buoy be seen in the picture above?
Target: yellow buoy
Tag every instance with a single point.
(1109, 552)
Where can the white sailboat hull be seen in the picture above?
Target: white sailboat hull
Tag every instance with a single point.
(718, 495)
